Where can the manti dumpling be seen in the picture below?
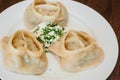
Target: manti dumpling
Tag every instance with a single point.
(42, 11)
(77, 51)
(22, 53)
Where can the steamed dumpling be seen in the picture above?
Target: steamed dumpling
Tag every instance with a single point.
(77, 51)
(22, 53)
(42, 11)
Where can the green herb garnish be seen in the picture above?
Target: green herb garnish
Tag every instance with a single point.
(52, 24)
(49, 34)
(36, 30)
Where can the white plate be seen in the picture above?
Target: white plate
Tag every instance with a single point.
(81, 18)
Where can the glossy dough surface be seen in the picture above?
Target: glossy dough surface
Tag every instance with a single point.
(42, 11)
(22, 53)
(77, 51)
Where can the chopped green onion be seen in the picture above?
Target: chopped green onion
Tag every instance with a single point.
(52, 24)
(37, 29)
(49, 34)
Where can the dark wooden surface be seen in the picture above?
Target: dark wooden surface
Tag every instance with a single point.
(109, 9)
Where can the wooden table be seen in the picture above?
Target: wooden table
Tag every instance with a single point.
(110, 9)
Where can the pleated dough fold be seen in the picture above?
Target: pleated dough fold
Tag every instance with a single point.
(77, 51)
(42, 11)
(22, 53)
